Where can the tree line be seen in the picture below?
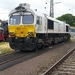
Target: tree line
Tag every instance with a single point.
(68, 18)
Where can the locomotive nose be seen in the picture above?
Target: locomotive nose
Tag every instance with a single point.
(22, 31)
(25, 31)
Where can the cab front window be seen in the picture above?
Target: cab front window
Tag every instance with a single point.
(27, 19)
(15, 19)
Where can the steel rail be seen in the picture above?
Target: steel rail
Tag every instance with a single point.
(13, 59)
(50, 70)
(1, 55)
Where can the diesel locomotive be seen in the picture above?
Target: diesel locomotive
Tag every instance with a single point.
(30, 30)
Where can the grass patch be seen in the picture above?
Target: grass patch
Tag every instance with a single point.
(71, 40)
(5, 48)
(1, 43)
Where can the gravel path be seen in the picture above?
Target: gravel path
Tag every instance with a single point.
(39, 64)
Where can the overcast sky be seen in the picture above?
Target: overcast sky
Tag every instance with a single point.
(66, 6)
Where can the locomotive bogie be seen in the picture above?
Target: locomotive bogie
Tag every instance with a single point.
(23, 43)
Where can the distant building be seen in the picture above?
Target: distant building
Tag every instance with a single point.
(72, 32)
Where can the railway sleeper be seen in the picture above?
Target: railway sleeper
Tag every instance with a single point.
(62, 73)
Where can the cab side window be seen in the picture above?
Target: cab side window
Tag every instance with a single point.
(67, 28)
(39, 20)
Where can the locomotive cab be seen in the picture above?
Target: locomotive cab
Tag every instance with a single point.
(22, 25)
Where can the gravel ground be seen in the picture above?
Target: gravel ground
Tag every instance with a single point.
(39, 64)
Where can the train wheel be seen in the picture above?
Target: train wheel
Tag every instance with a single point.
(12, 46)
(53, 43)
(40, 46)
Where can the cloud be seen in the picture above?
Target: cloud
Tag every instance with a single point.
(66, 6)
(8, 5)
(4, 14)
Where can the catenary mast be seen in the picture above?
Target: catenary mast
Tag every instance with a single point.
(51, 8)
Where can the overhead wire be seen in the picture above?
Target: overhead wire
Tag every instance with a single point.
(34, 3)
(29, 1)
(59, 9)
(55, 7)
(64, 5)
(68, 7)
(44, 4)
(39, 6)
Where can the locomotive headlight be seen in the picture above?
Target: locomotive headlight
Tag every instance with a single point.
(30, 33)
(12, 34)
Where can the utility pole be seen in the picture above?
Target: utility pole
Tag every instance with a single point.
(51, 8)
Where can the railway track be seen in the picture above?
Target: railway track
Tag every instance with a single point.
(8, 53)
(4, 59)
(9, 60)
(65, 66)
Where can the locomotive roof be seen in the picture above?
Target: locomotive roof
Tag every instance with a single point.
(29, 10)
(24, 8)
